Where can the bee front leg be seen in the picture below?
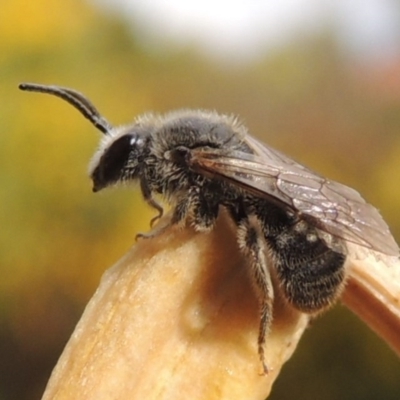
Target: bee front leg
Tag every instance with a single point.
(201, 213)
(252, 243)
(179, 214)
(150, 201)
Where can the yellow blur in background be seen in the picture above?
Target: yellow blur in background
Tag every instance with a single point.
(340, 118)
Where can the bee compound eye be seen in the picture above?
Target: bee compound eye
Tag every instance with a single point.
(113, 161)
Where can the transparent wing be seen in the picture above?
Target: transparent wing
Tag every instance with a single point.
(335, 208)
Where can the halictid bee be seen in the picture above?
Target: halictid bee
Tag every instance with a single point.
(292, 223)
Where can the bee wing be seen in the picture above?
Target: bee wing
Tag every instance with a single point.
(333, 207)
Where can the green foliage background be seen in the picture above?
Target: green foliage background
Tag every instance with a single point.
(57, 238)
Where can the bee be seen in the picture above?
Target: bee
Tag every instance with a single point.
(293, 225)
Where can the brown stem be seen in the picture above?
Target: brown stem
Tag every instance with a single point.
(176, 318)
(373, 293)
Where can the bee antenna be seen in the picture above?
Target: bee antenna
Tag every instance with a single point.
(76, 99)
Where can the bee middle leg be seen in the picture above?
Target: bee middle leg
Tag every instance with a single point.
(252, 243)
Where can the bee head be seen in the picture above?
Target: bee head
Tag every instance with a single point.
(121, 150)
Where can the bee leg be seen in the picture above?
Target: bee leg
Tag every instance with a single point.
(205, 213)
(201, 211)
(151, 202)
(252, 244)
(153, 233)
(160, 210)
(179, 214)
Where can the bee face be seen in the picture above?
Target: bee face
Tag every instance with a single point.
(288, 218)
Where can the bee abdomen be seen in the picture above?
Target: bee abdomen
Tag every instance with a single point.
(310, 273)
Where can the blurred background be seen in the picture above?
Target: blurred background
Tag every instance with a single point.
(319, 80)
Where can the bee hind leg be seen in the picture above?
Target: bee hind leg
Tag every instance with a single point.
(252, 243)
